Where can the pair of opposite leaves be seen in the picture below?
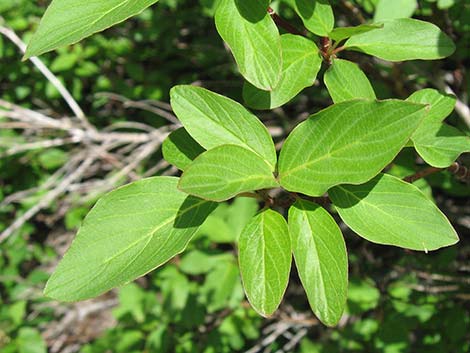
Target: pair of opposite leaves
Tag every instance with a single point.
(136, 228)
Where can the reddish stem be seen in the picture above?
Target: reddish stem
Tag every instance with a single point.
(283, 23)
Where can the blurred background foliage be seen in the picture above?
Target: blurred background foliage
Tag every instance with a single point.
(399, 301)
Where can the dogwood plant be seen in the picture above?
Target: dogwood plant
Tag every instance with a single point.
(224, 151)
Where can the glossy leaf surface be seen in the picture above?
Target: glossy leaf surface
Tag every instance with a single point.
(346, 81)
(253, 38)
(317, 15)
(226, 171)
(214, 120)
(300, 66)
(404, 39)
(349, 142)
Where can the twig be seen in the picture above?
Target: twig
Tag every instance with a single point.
(293, 341)
(283, 23)
(421, 174)
(355, 11)
(280, 328)
(71, 102)
(460, 107)
(39, 145)
(128, 103)
(461, 172)
(46, 200)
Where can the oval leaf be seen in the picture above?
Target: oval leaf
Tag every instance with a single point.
(349, 142)
(180, 149)
(389, 211)
(300, 66)
(317, 15)
(265, 259)
(346, 81)
(253, 38)
(226, 171)
(437, 143)
(404, 39)
(69, 21)
(321, 259)
(214, 120)
(130, 231)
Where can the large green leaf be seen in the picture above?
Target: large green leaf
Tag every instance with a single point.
(130, 231)
(349, 142)
(321, 259)
(437, 143)
(387, 210)
(226, 171)
(69, 21)
(346, 81)
(214, 120)
(317, 15)
(389, 10)
(265, 258)
(404, 39)
(180, 149)
(253, 38)
(300, 66)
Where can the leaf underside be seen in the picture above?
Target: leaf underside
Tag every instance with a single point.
(129, 232)
(265, 260)
(389, 211)
(69, 21)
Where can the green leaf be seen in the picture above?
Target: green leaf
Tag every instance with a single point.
(226, 171)
(253, 38)
(346, 81)
(389, 10)
(69, 21)
(440, 106)
(300, 66)
(180, 149)
(349, 142)
(404, 39)
(221, 285)
(214, 120)
(225, 224)
(342, 33)
(441, 144)
(321, 259)
(389, 211)
(317, 15)
(29, 340)
(265, 258)
(437, 143)
(130, 231)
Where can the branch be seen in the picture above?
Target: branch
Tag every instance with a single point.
(461, 172)
(46, 200)
(283, 23)
(71, 102)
